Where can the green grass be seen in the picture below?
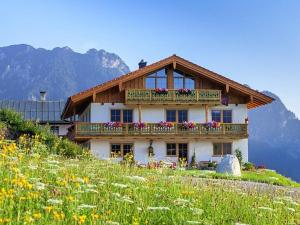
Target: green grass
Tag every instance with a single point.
(49, 189)
(262, 176)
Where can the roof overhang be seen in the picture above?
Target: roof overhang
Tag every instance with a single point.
(256, 98)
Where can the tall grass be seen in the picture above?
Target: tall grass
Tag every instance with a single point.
(39, 188)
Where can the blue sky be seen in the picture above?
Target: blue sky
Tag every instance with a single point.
(253, 42)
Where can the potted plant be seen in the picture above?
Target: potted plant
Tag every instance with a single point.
(161, 91)
(184, 91)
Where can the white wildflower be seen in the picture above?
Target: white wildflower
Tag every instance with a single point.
(55, 201)
(40, 186)
(278, 202)
(291, 209)
(84, 206)
(180, 201)
(139, 209)
(241, 224)
(162, 208)
(53, 162)
(116, 194)
(193, 222)
(119, 185)
(79, 180)
(197, 211)
(137, 178)
(91, 185)
(90, 190)
(265, 208)
(112, 223)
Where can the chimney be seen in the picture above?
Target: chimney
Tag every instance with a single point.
(142, 64)
(43, 95)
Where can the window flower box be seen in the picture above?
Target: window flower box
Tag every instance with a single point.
(213, 124)
(184, 91)
(188, 125)
(161, 91)
(139, 125)
(166, 124)
(113, 125)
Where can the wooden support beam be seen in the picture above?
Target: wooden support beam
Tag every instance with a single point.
(140, 113)
(206, 113)
(174, 65)
(251, 99)
(120, 86)
(227, 88)
(94, 96)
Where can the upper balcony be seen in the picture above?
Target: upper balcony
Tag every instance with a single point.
(83, 131)
(167, 96)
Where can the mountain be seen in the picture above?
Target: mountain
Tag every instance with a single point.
(25, 70)
(275, 138)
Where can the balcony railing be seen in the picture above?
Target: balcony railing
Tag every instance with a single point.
(149, 96)
(81, 130)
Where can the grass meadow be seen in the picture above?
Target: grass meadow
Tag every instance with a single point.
(38, 188)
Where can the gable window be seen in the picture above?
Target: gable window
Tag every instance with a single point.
(224, 116)
(182, 80)
(178, 116)
(120, 150)
(221, 149)
(157, 80)
(124, 116)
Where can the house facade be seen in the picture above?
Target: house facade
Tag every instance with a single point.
(170, 110)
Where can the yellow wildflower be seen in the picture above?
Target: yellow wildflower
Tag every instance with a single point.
(81, 219)
(37, 215)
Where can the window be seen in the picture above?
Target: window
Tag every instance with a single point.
(54, 129)
(216, 115)
(221, 149)
(127, 116)
(182, 80)
(127, 148)
(120, 150)
(177, 116)
(177, 149)
(115, 150)
(171, 115)
(171, 149)
(182, 116)
(227, 116)
(224, 116)
(157, 80)
(115, 115)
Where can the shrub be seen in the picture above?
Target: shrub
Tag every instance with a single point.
(18, 127)
(193, 160)
(239, 155)
(261, 167)
(248, 166)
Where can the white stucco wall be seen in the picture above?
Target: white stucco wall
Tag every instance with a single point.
(101, 113)
(203, 150)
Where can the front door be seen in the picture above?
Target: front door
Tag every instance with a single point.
(183, 152)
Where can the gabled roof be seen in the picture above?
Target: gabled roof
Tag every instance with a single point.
(257, 97)
(40, 111)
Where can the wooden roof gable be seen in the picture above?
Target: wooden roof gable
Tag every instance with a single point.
(257, 98)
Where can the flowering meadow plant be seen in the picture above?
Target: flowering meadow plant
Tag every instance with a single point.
(161, 91)
(184, 91)
(166, 124)
(113, 124)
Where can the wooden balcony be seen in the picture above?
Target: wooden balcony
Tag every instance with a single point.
(81, 131)
(148, 96)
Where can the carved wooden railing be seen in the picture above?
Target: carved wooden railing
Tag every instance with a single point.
(82, 129)
(149, 96)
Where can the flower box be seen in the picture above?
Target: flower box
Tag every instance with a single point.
(113, 124)
(139, 125)
(161, 91)
(166, 124)
(184, 91)
(188, 125)
(213, 124)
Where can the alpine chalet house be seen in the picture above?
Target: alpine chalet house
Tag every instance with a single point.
(169, 110)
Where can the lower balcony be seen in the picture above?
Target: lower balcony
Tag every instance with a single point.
(84, 131)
